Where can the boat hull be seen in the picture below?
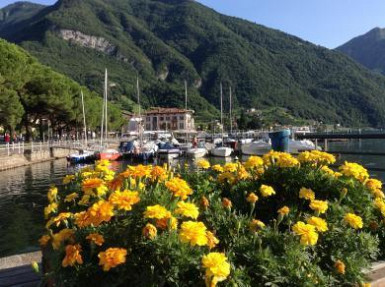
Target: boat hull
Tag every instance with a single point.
(108, 155)
(221, 151)
(196, 152)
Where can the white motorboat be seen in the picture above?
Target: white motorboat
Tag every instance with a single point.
(221, 151)
(258, 147)
(261, 147)
(83, 156)
(196, 152)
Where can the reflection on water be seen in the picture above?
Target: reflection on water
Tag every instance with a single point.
(23, 192)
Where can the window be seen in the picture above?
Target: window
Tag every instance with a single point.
(167, 118)
(174, 118)
(148, 127)
(161, 118)
(181, 118)
(148, 119)
(181, 126)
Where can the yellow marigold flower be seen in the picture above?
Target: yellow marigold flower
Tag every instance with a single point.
(149, 231)
(253, 162)
(101, 211)
(242, 174)
(319, 206)
(203, 164)
(96, 238)
(284, 210)
(84, 200)
(252, 198)
(226, 203)
(366, 284)
(256, 224)
(378, 194)
(35, 267)
(112, 257)
(316, 157)
(44, 239)
(102, 162)
(50, 208)
(319, 223)
(187, 209)
(193, 233)
(212, 241)
(205, 202)
(353, 220)
(125, 199)
(340, 267)
(373, 184)
(156, 211)
(217, 268)
(227, 177)
(230, 167)
(179, 188)
(354, 170)
(62, 217)
(71, 197)
(158, 173)
(68, 178)
(52, 194)
(306, 193)
(61, 236)
(380, 204)
(73, 255)
(91, 184)
(281, 159)
(266, 190)
(327, 170)
(217, 168)
(307, 232)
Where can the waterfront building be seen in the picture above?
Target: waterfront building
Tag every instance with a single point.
(170, 119)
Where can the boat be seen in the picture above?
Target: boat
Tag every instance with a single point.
(83, 156)
(196, 152)
(261, 147)
(221, 151)
(105, 152)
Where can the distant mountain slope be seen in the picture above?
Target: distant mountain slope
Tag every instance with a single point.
(16, 13)
(368, 49)
(167, 41)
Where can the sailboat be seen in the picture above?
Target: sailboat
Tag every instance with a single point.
(221, 151)
(198, 150)
(106, 153)
(83, 156)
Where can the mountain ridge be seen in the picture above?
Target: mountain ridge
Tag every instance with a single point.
(166, 42)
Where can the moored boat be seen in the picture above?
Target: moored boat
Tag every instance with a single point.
(81, 157)
(108, 154)
(221, 151)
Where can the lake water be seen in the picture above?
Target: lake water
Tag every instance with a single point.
(23, 193)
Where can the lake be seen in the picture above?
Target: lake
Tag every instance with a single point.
(23, 193)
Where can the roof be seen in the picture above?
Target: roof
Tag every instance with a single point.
(158, 110)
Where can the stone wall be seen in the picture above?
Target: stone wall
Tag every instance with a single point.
(16, 160)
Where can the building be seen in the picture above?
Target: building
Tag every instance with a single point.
(170, 119)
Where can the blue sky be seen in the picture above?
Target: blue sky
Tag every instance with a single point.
(329, 23)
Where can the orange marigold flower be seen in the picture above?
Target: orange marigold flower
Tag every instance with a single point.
(252, 198)
(44, 240)
(168, 222)
(256, 224)
(158, 173)
(112, 257)
(94, 184)
(101, 211)
(340, 267)
(284, 210)
(61, 236)
(226, 203)
(139, 171)
(212, 241)
(73, 255)
(149, 231)
(96, 238)
(205, 202)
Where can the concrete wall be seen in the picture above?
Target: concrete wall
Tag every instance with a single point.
(16, 160)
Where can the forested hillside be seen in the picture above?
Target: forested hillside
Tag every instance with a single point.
(32, 94)
(166, 42)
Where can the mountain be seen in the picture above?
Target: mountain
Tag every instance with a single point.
(166, 42)
(367, 49)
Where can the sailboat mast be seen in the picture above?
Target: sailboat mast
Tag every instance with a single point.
(138, 94)
(139, 113)
(221, 112)
(231, 120)
(102, 123)
(185, 94)
(105, 92)
(84, 118)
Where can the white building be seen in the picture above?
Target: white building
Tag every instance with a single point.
(170, 119)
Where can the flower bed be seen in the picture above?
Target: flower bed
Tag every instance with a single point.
(271, 221)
